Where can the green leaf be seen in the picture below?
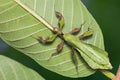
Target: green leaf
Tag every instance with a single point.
(20, 26)
(12, 70)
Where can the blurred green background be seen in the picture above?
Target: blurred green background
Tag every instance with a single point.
(107, 14)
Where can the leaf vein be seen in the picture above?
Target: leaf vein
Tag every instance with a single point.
(21, 28)
(72, 15)
(13, 70)
(35, 2)
(64, 62)
(39, 52)
(26, 46)
(8, 9)
(100, 43)
(6, 3)
(82, 18)
(63, 6)
(20, 38)
(95, 39)
(44, 8)
(1, 71)
(54, 57)
(68, 69)
(20, 67)
(14, 18)
(52, 12)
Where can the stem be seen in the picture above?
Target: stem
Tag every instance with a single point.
(117, 77)
(108, 74)
(35, 15)
(111, 75)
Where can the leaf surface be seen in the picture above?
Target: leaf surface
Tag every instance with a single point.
(12, 70)
(20, 26)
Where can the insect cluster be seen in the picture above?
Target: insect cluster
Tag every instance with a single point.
(95, 57)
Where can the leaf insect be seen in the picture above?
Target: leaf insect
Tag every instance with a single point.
(95, 57)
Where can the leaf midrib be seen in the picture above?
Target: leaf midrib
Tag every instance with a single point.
(41, 19)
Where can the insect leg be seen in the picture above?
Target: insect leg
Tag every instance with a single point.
(60, 46)
(76, 30)
(59, 49)
(74, 59)
(61, 19)
(86, 34)
(47, 39)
